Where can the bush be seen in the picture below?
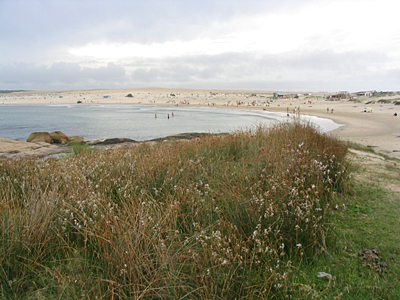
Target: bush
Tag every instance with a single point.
(385, 101)
(214, 218)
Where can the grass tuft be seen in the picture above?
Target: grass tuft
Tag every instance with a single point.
(227, 217)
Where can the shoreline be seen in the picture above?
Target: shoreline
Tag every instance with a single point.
(378, 129)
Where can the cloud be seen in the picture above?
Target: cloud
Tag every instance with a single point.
(322, 70)
(245, 67)
(53, 44)
(61, 75)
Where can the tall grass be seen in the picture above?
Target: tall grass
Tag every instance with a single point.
(214, 218)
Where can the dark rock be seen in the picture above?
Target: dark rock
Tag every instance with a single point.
(116, 141)
(186, 136)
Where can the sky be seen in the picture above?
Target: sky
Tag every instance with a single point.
(283, 45)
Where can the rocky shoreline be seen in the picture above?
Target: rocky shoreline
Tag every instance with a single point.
(44, 144)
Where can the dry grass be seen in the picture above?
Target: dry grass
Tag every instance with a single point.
(214, 218)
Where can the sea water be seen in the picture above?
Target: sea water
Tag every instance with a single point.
(137, 122)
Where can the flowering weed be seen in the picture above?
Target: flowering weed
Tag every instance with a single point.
(214, 218)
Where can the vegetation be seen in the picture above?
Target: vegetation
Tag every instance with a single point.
(253, 215)
(10, 91)
(129, 95)
(365, 257)
(385, 101)
(78, 148)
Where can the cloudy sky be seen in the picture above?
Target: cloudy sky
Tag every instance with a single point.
(286, 45)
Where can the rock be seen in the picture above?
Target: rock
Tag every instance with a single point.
(11, 149)
(185, 136)
(36, 137)
(59, 138)
(76, 140)
(116, 141)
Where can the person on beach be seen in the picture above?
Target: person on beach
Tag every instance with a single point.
(155, 116)
(332, 111)
(327, 110)
(168, 116)
(172, 114)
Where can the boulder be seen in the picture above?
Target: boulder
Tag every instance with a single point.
(76, 140)
(36, 137)
(59, 138)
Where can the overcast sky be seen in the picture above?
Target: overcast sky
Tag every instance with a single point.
(286, 45)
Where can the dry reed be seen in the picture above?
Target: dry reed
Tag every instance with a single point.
(214, 218)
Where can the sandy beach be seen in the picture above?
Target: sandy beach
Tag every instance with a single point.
(365, 121)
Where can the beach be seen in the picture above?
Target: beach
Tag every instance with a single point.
(365, 120)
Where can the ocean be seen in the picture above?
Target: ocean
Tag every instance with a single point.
(137, 122)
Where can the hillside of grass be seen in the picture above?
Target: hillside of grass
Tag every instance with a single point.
(243, 216)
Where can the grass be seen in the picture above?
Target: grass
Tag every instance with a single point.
(78, 148)
(253, 215)
(369, 220)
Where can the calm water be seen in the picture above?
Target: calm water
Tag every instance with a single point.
(94, 122)
(98, 122)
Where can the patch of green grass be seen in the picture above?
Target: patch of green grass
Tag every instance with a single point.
(357, 146)
(79, 148)
(370, 220)
(386, 101)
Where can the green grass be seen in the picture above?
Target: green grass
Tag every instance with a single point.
(78, 148)
(370, 220)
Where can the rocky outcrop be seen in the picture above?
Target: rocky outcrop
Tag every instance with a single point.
(41, 144)
(56, 137)
(10, 149)
(37, 137)
(186, 136)
(76, 140)
(59, 138)
(116, 141)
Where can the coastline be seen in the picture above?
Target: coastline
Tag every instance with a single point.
(379, 129)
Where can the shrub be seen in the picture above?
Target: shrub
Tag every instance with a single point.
(385, 101)
(217, 217)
